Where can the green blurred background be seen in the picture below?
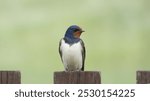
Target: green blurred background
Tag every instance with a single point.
(117, 37)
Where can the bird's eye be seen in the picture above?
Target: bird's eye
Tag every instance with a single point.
(76, 30)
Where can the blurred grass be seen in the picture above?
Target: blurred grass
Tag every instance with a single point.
(116, 38)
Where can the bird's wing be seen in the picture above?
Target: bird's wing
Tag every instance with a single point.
(60, 51)
(83, 54)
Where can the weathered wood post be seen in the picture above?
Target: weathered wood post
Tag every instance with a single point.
(10, 77)
(79, 77)
(143, 77)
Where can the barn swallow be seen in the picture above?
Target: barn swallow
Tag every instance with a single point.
(72, 49)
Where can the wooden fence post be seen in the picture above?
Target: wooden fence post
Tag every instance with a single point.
(143, 77)
(10, 77)
(79, 77)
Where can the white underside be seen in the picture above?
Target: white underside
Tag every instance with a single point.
(71, 56)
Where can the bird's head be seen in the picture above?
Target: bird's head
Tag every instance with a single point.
(73, 33)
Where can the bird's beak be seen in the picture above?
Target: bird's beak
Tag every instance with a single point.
(82, 31)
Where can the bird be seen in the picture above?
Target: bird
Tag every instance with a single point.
(72, 49)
